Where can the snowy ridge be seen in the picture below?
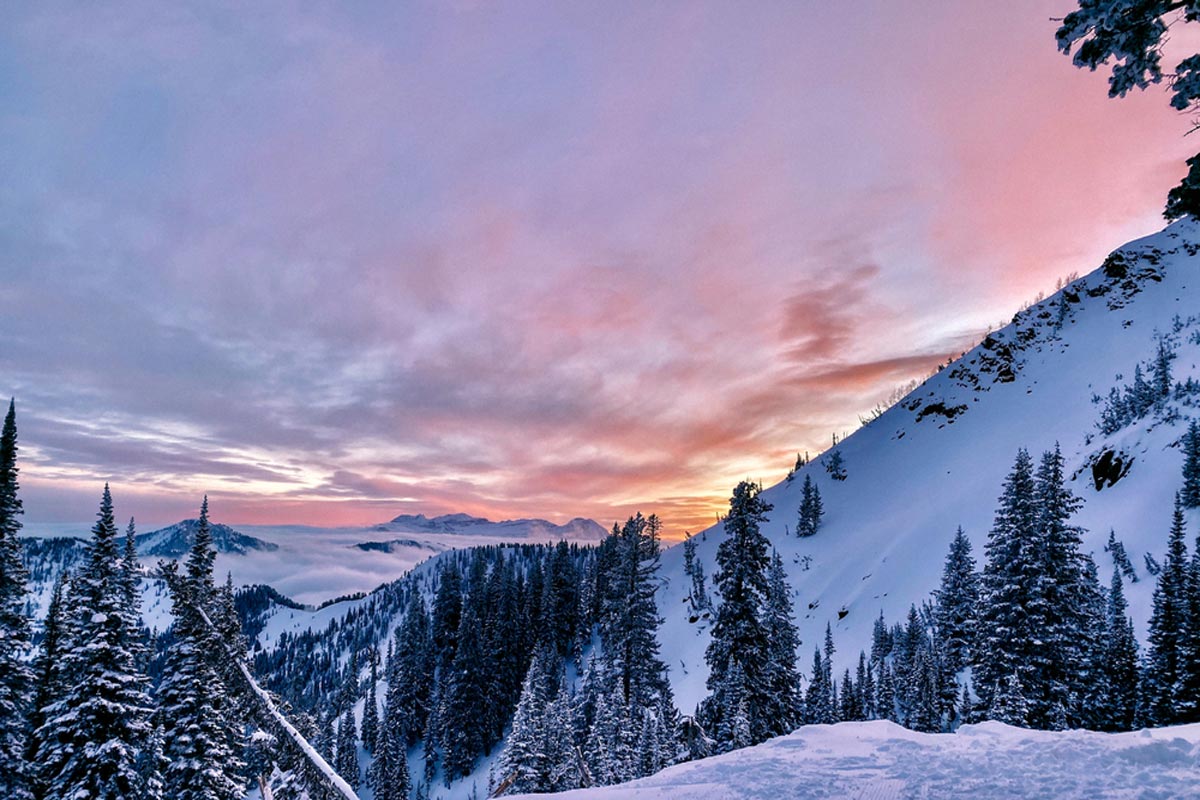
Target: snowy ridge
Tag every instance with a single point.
(578, 529)
(937, 459)
(883, 761)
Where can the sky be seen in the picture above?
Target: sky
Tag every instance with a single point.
(333, 262)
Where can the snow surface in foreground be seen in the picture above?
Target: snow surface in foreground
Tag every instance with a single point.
(883, 761)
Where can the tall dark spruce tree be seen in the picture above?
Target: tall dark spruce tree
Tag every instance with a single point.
(93, 735)
(1117, 706)
(1168, 631)
(15, 677)
(539, 755)
(201, 741)
(957, 603)
(1190, 493)
(388, 774)
(346, 760)
(1010, 583)
(410, 674)
(783, 678)
(465, 693)
(370, 717)
(812, 510)
(1034, 603)
(1065, 598)
(739, 704)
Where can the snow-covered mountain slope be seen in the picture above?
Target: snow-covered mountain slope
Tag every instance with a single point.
(883, 761)
(937, 459)
(176, 540)
(510, 530)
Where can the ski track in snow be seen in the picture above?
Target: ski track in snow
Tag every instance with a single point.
(883, 761)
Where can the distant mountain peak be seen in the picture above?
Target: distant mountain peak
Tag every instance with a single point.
(176, 540)
(513, 529)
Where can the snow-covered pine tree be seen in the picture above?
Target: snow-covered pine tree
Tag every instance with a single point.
(1011, 597)
(924, 703)
(411, 673)
(539, 753)
(848, 703)
(781, 675)
(388, 775)
(15, 677)
(521, 768)
(1169, 623)
(94, 733)
(1119, 678)
(1009, 703)
(346, 760)
(1191, 466)
(811, 509)
(201, 738)
(739, 644)
(48, 679)
(1088, 683)
(694, 570)
(1116, 548)
(1188, 691)
(865, 682)
(370, 717)
(611, 739)
(1065, 618)
(957, 602)
(885, 693)
(835, 463)
(881, 640)
(818, 705)
(1161, 369)
(464, 695)
(628, 630)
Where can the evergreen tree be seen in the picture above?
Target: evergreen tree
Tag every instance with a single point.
(48, 678)
(93, 735)
(526, 765)
(739, 646)
(881, 640)
(1169, 623)
(865, 682)
(1063, 619)
(782, 677)
(388, 774)
(848, 704)
(346, 761)
(1161, 370)
(15, 677)
(464, 697)
(694, 570)
(1030, 620)
(200, 735)
(1120, 556)
(958, 602)
(1119, 678)
(818, 702)
(370, 719)
(1191, 466)
(811, 509)
(411, 672)
(885, 694)
(630, 618)
(1009, 703)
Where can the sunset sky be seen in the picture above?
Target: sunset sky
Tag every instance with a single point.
(334, 262)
